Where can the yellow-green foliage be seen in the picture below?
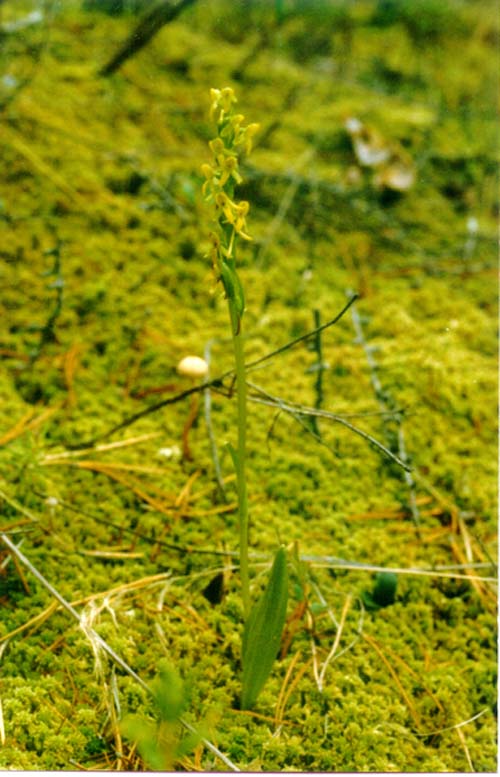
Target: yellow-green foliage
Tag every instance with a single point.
(107, 172)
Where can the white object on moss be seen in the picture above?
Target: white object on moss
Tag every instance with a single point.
(193, 367)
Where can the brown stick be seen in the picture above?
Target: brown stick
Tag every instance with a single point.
(193, 414)
(152, 21)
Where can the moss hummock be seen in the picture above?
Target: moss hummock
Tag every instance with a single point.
(106, 287)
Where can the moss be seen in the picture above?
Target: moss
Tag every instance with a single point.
(111, 175)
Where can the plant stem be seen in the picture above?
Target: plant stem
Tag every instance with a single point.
(241, 393)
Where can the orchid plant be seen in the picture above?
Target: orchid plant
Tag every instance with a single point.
(264, 621)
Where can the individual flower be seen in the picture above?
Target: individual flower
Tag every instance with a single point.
(241, 211)
(227, 206)
(250, 131)
(229, 169)
(222, 102)
(218, 149)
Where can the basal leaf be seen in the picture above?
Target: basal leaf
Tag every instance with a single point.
(263, 630)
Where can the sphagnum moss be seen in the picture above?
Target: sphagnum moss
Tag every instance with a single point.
(408, 254)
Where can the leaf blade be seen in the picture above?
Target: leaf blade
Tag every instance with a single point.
(263, 630)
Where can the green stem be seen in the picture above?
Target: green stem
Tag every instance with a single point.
(241, 392)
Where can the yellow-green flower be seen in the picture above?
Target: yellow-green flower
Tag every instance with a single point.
(241, 211)
(221, 176)
(250, 131)
(229, 169)
(222, 102)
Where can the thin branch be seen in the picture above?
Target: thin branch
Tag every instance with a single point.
(153, 20)
(296, 409)
(330, 562)
(301, 339)
(319, 367)
(214, 383)
(386, 403)
(451, 728)
(183, 549)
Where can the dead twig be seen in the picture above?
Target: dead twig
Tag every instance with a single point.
(297, 410)
(215, 383)
(151, 23)
(394, 440)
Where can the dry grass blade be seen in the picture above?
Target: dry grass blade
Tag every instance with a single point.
(412, 672)
(178, 505)
(487, 596)
(128, 554)
(71, 362)
(185, 492)
(229, 508)
(10, 527)
(461, 737)
(107, 466)
(286, 692)
(25, 424)
(336, 642)
(36, 621)
(444, 501)
(18, 428)
(115, 715)
(21, 574)
(136, 585)
(100, 448)
(296, 680)
(19, 507)
(135, 485)
(280, 700)
(455, 726)
(314, 649)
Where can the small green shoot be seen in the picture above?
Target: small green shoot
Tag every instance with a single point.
(383, 592)
(159, 742)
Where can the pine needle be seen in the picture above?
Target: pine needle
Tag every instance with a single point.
(26, 423)
(411, 707)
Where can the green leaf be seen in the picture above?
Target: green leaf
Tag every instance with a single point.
(168, 690)
(233, 289)
(383, 593)
(384, 590)
(145, 733)
(263, 630)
